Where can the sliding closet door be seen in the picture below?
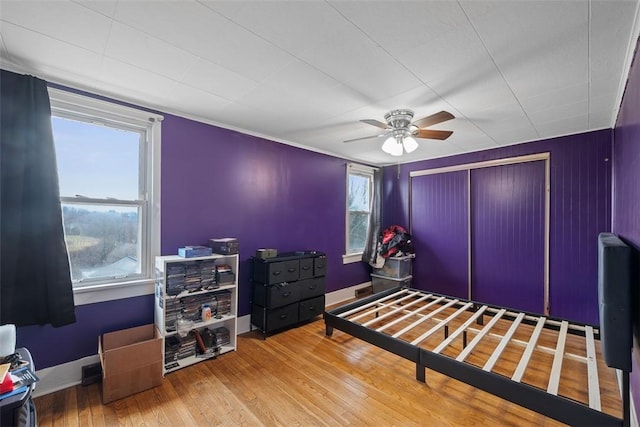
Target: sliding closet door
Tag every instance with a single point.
(507, 235)
(439, 231)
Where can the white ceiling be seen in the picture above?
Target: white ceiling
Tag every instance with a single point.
(305, 72)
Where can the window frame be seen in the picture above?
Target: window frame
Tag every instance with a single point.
(74, 106)
(368, 172)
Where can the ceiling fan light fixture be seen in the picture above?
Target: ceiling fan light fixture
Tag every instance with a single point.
(410, 145)
(397, 148)
(389, 145)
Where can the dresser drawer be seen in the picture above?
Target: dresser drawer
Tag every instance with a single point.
(282, 317)
(272, 296)
(276, 272)
(311, 287)
(311, 308)
(306, 268)
(319, 266)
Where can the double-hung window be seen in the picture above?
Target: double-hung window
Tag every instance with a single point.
(108, 172)
(358, 210)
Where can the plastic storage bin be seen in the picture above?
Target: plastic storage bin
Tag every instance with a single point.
(381, 283)
(395, 267)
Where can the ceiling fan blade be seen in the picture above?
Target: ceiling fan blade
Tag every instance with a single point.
(375, 123)
(433, 134)
(433, 119)
(363, 138)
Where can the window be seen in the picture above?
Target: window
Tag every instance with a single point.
(359, 194)
(108, 169)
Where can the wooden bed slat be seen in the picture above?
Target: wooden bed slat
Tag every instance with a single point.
(479, 336)
(441, 324)
(524, 361)
(371, 304)
(460, 330)
(410, 314)
(397, 309)
(424, 319)
(503, 344)
(556, 367)
(592, 370)
(380, 306)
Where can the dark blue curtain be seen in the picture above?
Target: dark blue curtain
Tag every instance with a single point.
(35, 282)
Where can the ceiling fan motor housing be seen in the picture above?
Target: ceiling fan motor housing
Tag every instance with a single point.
(399, 119)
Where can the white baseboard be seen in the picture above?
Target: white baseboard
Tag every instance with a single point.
(244, 324)
(69, 374)
(342, 295)
(62, 376)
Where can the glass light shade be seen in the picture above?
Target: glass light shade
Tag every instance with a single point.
(396, 148)
(389, 145)
(409, 144)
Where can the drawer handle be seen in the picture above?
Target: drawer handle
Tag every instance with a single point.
(306, 267)
(284, 316)
(312, 307)
(285, 294)
(312, 287)
(276, 273)
(291, 270)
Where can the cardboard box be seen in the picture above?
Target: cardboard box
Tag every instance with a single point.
(131, 361)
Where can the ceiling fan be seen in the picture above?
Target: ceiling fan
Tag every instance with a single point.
(402, 131)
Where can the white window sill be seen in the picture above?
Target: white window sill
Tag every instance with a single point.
(113, 291)
(351, 258)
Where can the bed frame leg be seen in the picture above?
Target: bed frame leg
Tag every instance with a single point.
(626, 403)
(420, 373)
(329, 330)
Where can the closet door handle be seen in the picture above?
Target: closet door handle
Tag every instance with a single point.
(285, 294)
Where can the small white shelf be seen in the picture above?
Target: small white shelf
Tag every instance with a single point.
(226, 286)
(228, 321)
(215, 322)
(192, 360)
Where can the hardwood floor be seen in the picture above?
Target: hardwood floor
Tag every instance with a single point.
(296, 378)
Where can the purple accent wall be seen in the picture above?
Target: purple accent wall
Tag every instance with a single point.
(439, 233)
(221, 183)
(507, 237)
(580, 209)
(626, 194)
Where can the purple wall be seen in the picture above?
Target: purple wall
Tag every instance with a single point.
(221, 183)
(626, 184)
(580, 209)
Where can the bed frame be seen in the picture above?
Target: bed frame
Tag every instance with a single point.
(433, 331)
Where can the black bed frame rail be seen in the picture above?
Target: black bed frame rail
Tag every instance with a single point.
(557, 407)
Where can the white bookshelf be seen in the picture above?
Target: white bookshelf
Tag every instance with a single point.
(172, 301)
